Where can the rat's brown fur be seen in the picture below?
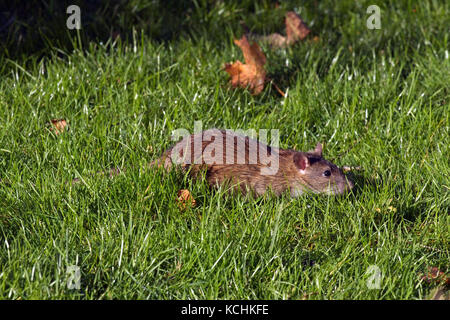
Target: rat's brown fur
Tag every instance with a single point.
(297, 172)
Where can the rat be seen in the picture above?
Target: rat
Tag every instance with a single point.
(250, 166)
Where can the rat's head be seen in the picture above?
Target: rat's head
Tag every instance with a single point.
(318, 174)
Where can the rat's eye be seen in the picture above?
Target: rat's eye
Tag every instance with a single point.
(327, 173)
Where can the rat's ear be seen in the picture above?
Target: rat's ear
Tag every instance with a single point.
(318, 150)
(301, 161)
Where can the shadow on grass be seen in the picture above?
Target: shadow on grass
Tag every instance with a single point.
(38, 27)
(405, 211)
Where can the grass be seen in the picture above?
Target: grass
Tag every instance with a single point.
(378, 99)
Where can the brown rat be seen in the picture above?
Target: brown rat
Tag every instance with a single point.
(251, 165)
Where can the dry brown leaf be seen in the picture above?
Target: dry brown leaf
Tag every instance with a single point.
(185, 198)
(252, 74)
(434, 275)
(59, 125)
(296, 29)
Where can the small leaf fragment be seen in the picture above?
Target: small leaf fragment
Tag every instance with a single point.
(435, 275)
(184, 198)
(296, 29)
(59, 125)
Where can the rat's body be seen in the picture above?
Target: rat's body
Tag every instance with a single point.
(246, 164)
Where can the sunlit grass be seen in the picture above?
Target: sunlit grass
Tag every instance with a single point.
(378, 99)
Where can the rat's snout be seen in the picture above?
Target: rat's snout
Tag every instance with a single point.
(345, 185)
(342, 185)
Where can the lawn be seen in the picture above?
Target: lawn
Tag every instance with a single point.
(376, 99)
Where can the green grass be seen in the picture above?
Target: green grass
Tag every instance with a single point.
(378, 99)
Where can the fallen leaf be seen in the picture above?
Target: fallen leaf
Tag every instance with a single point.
(348, 168)
(59, 125)
(184, 198)
(393, 209)
(436, 276)
(386, 210)
(296, 29)
(252, 74)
